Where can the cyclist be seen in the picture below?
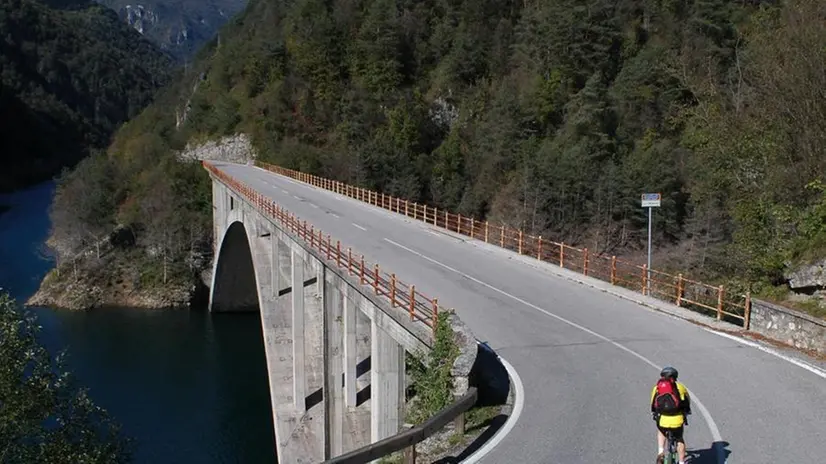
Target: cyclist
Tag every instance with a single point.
(670, 404)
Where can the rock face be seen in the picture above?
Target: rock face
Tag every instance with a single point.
(812, 276)
(463, 364)
(233, 149)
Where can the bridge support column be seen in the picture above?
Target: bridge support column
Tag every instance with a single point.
(386, 384)
(299, 380)
(333, 365)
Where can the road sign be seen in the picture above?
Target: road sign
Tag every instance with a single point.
(651, 200)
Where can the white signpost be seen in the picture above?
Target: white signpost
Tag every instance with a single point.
(650, 200)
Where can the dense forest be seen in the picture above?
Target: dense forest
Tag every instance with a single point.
(70, 73)
(553, 116)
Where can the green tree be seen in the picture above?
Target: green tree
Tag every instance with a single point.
(44, 416)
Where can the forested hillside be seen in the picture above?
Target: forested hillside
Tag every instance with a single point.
(70, 73)
(548, 115)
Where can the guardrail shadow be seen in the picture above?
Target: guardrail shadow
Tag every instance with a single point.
(709, 455)
(491, 380)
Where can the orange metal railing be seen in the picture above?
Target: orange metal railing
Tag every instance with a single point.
(683, 292)
(400, 295)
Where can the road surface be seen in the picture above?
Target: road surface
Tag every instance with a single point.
(587, 359)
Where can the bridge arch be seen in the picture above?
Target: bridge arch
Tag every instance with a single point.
(235, 284)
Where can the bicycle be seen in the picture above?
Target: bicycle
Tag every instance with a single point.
(670, 455)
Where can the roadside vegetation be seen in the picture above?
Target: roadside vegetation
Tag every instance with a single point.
(45, 417)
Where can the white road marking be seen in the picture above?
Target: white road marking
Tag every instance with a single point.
(814, 370)
(360, 227)
(434, 233)
(712, 426)
(296, 197)
(335, 215)
(285, 192)
(314, 205)
(519, 402)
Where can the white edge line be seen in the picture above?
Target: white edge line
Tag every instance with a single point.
(360, 227)
(814, 370)
(712, 426)
(518, 404)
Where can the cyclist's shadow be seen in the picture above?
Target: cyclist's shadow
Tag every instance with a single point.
(709, 455)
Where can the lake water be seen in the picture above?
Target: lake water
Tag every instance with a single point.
(187, 386)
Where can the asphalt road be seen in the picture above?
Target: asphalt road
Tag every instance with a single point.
(587, 359)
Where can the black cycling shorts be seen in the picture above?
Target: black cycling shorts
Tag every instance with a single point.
(677, 433)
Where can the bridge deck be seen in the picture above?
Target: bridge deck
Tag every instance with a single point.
(587, 360)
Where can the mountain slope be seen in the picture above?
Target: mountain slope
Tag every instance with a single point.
(179, 27)
(71, 73)
(550, 116)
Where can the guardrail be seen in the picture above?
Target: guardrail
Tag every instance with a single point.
(404, 296)
(668, 287)
(408, 439)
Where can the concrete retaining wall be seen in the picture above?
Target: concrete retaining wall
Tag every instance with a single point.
(788, 326)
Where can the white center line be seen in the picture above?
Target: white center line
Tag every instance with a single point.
(712, 426)
(335, 215)
(296, 197)
(360, 227)
(314, 205)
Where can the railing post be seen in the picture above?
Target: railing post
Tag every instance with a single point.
(393, 290)
(539, 248)
(644, 278)
(376, 278)
(486, 231)
(410, 455)
(459, 422)
(361, 274)
(720, 291)
(435, 214)
(414, 210)
(447, 216)
(520, 241)
(747, 313)
(406, 209)
(338, 253)
(502, 235)
(412, 302)
(585, 262)
(435, 313)
(459, 223)
(329, 247)
(472, 227)
(613, 270)
(679, 289)
(349, 261)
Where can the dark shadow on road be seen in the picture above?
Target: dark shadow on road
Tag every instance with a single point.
(490, 377)
(709, 455)
(493, 425)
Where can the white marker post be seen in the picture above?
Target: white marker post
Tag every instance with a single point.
(650, 200)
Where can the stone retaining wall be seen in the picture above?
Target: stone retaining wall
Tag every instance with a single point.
(788, 326)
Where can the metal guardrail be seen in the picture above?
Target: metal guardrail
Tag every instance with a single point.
(668, 287)
(408, 439)
(404, 296)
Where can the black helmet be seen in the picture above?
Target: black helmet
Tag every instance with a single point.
(669, 372)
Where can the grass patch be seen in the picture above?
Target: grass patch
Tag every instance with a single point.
(432, 383)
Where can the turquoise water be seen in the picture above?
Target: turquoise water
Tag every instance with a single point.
(187, 386)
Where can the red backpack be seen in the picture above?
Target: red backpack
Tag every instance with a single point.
(667, 398)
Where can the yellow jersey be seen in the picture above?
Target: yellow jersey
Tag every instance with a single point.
(672, 422)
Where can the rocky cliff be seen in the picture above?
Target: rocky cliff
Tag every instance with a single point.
(179, 27)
